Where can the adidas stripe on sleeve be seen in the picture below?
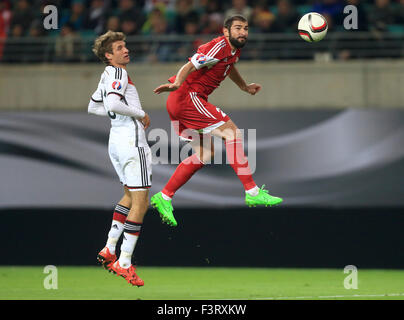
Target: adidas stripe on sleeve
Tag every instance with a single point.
(116, 80)
(208, 59)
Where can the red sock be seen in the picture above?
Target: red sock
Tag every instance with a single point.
(239, 162)
(120, 213)
(182, 174)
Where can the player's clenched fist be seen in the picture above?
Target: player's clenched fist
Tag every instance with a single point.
(253, 88)
(145, 121)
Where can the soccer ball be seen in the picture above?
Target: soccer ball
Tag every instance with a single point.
(312, 27)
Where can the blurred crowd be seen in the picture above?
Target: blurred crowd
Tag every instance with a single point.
(89, 18)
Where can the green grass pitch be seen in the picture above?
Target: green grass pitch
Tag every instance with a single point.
(164, 283)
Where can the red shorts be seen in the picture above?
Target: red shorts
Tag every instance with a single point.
(188, 110)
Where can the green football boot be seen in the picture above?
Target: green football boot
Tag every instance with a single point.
(164, 208)
(263, 198)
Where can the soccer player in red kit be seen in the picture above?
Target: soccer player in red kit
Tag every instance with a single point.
(189, 109)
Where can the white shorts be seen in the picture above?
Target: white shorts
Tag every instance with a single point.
(132, 164)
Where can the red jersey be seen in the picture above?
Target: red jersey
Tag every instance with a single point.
(213, 62)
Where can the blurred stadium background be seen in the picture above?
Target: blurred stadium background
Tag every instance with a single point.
(329, 135)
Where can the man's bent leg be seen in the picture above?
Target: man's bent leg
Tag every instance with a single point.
(188, 167)
(133, 225)
(203, 151)
(107, 255)
(237, 159)
(120, 214)
(235, 154)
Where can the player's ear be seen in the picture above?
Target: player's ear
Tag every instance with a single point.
(225, 32)
(108, 55)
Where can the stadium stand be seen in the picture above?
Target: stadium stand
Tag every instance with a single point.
(162, 29)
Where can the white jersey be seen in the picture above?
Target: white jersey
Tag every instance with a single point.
(115, 80)
(128, 149)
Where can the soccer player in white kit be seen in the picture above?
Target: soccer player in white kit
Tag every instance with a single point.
(116, 97)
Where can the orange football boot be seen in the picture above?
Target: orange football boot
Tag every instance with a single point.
(128, 274)
(106, 259)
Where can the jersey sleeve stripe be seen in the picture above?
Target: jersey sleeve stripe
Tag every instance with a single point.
(216, 48)
(220, 43)
(212, 52)
(118, 73)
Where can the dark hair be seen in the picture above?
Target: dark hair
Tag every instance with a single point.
(229, 20)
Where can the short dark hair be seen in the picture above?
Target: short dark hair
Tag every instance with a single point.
(229, 20)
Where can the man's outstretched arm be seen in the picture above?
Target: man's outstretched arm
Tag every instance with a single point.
(182, 74)
(251, 88)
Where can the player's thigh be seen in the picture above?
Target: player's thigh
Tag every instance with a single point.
(227, 131)
(140, 198)
(199, 114)
(140, 203)
(126, 200)
(141, 195)
(126, 192)
(204, 148)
